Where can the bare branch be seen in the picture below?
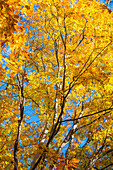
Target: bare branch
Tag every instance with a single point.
(73, 83)
(83, 36)
(87, 115)
(93, 121)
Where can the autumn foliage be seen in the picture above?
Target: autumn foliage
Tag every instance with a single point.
(56, 85)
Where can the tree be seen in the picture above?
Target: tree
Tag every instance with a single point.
(59, 66)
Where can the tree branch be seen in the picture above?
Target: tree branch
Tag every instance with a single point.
(87, 115)
(20, 86)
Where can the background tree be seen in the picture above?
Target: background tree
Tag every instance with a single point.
(60, 64)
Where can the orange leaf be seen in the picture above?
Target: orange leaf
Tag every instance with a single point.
(62, 158)
(74, 160)
(59, 167)
(71, 166)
